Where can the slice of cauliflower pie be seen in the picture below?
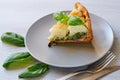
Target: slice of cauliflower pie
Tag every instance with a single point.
(72, 28)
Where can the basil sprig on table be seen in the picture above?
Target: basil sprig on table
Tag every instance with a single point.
(19, 60)
(13, 39)
(22, 59)
(34, 70)
(65, 18)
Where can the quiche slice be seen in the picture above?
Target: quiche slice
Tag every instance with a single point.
(74, 27)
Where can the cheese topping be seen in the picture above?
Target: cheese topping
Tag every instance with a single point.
(59, 30)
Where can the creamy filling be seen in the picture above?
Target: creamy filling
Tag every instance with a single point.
(77, 29)
(67, 32)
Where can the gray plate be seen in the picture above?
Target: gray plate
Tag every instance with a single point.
(68, 56)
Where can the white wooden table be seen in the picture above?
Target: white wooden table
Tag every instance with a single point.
(18, 15)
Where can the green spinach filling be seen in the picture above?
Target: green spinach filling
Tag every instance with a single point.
(73, 37)
(76, 36)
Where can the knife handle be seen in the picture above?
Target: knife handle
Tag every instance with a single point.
(102, 73)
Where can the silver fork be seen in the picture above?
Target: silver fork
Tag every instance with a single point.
(95, 67)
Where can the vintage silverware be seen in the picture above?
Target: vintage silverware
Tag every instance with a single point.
(95, 67)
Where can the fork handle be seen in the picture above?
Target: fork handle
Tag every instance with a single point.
(72, 74)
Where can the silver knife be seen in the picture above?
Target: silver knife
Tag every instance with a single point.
(101, 73)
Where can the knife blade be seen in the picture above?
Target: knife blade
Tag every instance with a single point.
(102, 73)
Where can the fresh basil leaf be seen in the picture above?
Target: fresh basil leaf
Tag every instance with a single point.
(34, 70)
(18, 60)
(61, 16)
(13, 39)
(74, 20)
(58, 16)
